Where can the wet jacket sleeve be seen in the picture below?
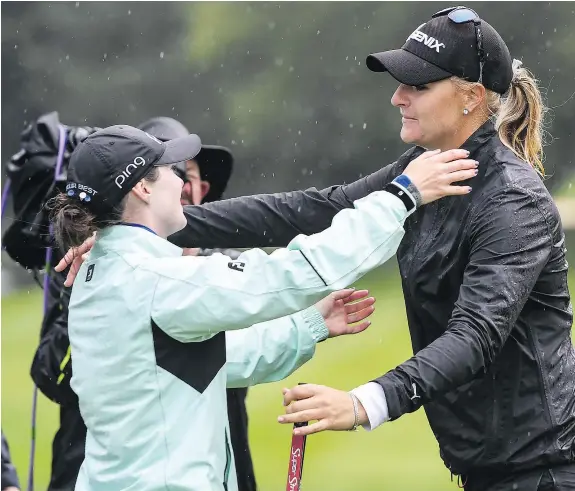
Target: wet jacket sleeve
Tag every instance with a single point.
(51, 367)
(272, 220)
(509, 242)
(273, 350)
(9, 476)
(196, 297)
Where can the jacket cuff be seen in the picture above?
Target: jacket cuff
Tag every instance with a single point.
(373, 400)
(316, 324)
(393, 397)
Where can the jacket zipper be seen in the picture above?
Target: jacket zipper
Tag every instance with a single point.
(228, 463)
(495, 418)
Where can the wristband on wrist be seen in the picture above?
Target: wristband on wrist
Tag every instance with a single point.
(401, 192)
(406, 182)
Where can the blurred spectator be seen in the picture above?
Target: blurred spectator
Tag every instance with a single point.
(9, 477)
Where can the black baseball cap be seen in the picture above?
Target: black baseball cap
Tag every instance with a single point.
(445, 46)
(110, 162)
(215, 162)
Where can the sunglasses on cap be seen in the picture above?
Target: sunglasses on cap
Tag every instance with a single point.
(463, 15)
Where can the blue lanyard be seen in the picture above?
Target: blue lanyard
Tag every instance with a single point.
(138, 225)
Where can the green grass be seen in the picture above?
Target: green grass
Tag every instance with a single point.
(400, 455)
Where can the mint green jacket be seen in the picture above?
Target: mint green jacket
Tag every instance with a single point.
(156, 337)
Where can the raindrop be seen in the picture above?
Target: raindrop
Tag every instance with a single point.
(129, 12)
(67, 57)
(318, 31)
(77, 4)
(161, 54)
(364, 126)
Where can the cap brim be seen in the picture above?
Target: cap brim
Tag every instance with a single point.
(180, 150)
(405, 67)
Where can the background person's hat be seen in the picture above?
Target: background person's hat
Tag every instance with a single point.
(215, 162)
(110, 162)
(449, 44)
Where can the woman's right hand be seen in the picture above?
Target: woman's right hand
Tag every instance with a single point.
(433, 172)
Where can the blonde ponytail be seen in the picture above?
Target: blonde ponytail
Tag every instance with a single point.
(519, 117)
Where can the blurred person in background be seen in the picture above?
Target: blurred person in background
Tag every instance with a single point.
(10, 480)
(484, 277)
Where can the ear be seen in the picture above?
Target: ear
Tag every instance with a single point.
(142, 191)
(474, 96)
(204, 188)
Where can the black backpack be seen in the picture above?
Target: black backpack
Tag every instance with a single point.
(33, 180)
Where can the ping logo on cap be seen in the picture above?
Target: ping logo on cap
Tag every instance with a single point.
(127, 172)
(429, 41)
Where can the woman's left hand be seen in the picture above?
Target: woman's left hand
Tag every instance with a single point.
(345, 311)
(331, 408)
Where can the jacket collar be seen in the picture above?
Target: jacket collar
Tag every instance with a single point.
(134, 239)
(481, 136)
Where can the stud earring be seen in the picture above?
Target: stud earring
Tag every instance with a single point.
(466, 111)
